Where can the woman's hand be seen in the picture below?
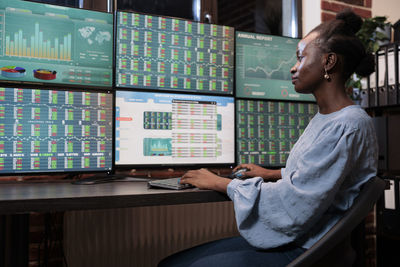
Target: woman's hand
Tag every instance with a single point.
(204, 179)
(257, 171)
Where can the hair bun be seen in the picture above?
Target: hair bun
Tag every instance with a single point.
(353, 22)
(366, 66)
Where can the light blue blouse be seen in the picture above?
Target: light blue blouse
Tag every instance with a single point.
(335, 155)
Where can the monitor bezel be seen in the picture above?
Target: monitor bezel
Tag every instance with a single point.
(175, 165)
(16, 83)
(72, 173)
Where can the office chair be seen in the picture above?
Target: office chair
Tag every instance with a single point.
(334, 248)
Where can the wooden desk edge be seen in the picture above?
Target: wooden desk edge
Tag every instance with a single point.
(149, 197)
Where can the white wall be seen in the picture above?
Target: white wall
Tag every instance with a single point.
(311, 13)
(388, 8)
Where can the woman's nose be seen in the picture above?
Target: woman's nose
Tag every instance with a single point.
(293, 69)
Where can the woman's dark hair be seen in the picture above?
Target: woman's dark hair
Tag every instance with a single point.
(339, 36)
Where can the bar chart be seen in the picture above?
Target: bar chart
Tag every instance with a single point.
(47, 44)
(20, 44)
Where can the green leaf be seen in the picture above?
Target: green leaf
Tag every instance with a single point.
(369, 36)
(375, 47)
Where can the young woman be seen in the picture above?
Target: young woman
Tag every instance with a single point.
(281, 213)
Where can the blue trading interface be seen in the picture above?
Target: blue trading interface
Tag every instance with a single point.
(173, 54)
(267, 130)
(54, 131)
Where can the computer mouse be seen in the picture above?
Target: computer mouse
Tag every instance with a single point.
(239, 173)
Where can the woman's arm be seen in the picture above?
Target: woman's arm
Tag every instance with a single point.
(257, 171)
(204, 179)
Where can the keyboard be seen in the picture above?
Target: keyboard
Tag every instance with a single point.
(170, 183)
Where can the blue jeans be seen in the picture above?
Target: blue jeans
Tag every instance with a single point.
(232, 252)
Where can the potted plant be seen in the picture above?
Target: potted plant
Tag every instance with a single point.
(371, 34)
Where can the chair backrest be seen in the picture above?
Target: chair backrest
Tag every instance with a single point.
(369, 195)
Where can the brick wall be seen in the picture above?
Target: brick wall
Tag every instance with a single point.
(329, 8)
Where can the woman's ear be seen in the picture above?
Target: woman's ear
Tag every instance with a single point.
(331, 60)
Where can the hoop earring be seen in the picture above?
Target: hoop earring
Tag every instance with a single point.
(326, 76)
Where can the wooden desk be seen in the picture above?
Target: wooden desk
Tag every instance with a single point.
(28, 197)
(20, 198)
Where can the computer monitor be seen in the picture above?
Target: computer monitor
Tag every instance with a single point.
(173, 129)
(267, 130)
(263, 65)
(154, 52)
(44, 131)
(48, 44)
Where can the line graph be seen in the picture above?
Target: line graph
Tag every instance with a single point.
(263, 64)
(274, 63)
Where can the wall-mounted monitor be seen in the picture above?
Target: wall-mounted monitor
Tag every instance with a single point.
(48, 44)
(263, 64)
(154, 52)
(267, 130)
(55, 131)
(173, 129)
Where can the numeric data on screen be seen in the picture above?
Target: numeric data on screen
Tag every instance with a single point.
(267, 130)
(44, 43)
(163, 128)
(54, 131)
(172, 54)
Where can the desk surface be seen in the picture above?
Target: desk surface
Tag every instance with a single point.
(24, 197)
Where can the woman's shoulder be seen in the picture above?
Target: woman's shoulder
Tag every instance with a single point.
(354, 113)
(349, 118)
(354, 117)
